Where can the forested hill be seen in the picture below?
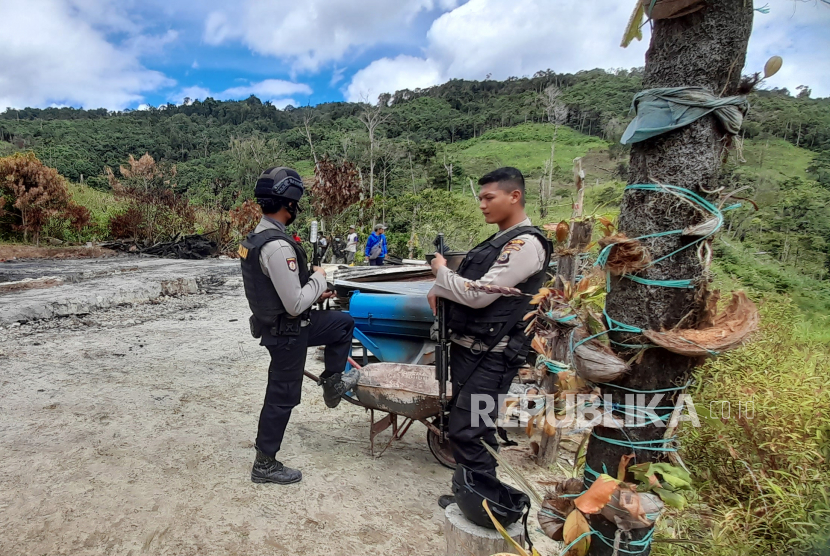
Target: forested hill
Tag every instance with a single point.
(202, 134)
(430, 143)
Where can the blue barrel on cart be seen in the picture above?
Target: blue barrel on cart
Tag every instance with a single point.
(394, 328)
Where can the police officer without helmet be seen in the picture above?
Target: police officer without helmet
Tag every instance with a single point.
(516, 256)
(376, 246)
(280, 291)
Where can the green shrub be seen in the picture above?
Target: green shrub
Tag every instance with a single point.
(764, 474)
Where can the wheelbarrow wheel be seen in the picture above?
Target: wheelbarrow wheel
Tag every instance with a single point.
(441, 450)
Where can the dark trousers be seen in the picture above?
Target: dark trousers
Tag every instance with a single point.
(491, 376)
(332, 329)
(376, 262)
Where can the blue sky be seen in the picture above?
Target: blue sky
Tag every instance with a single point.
(127, 53)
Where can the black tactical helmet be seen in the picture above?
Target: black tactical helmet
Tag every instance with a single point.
(279, 182)
(472, 487)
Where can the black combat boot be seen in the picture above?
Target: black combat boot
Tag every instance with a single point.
(338, 384)
(269, 470)
(445, 500)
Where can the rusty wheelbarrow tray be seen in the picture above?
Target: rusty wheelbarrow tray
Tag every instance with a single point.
(402, 390)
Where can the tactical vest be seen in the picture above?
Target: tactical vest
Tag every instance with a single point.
(263, 299)
(488, 322)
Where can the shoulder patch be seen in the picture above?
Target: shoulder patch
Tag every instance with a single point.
(504, 257)
(243, 251)
(292, 264)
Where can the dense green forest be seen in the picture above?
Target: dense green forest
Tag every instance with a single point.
(438, 138)
(198, 135)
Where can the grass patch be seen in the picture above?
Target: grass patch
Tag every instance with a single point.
(763, 477)
(776, 158)
(525, 147)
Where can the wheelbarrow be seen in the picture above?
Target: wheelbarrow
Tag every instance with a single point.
(406, 393)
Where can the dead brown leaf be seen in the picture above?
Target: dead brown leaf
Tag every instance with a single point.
(624, 461)
(597, 496)
(575, 526)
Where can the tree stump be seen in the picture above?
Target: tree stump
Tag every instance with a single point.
(465, 538)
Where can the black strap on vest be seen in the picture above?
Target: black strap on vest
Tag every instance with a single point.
(497, 243)
(480, 323)
(515, 318)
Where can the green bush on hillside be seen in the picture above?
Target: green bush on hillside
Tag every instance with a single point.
(764, 472)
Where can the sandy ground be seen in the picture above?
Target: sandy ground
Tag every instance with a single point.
(130, 431)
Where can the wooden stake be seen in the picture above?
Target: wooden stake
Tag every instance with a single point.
(568, 267)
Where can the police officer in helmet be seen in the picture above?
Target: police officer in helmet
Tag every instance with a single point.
(280, 291)
(487, 329)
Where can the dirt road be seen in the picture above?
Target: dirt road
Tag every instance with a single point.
(130, 431)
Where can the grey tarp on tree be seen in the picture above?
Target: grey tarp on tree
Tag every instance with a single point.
(662, 110)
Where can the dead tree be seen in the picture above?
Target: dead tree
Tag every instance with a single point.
(307, 117)
(448, 170)
(557, 114)
(372, 117)
(706, 49)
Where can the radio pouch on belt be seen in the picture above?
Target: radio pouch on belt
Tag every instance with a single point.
(256, 327)
(288, 326)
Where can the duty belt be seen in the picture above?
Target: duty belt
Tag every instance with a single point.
(477, 345)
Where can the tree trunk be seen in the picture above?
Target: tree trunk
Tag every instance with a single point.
(707, 49)
(468, 539)
(566, 272)
(552, 155)
(579, 181)
(568, 265)
(412, 233)
(362, 194)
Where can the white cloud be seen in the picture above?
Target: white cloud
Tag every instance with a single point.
(139, 45)
(389, 75)
(504, 38)
(283, 102)
(53, 53)
(336, 76)
(315, 32)
(275, 90)
(799, 34)
(193, 93)
(267, 88)
(519, 37)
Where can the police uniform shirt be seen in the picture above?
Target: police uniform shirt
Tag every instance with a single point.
(520, 259)
(279, 262)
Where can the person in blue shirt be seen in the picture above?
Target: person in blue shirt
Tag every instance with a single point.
(376, 246)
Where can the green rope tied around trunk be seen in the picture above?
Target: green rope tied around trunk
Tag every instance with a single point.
(658, 445)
